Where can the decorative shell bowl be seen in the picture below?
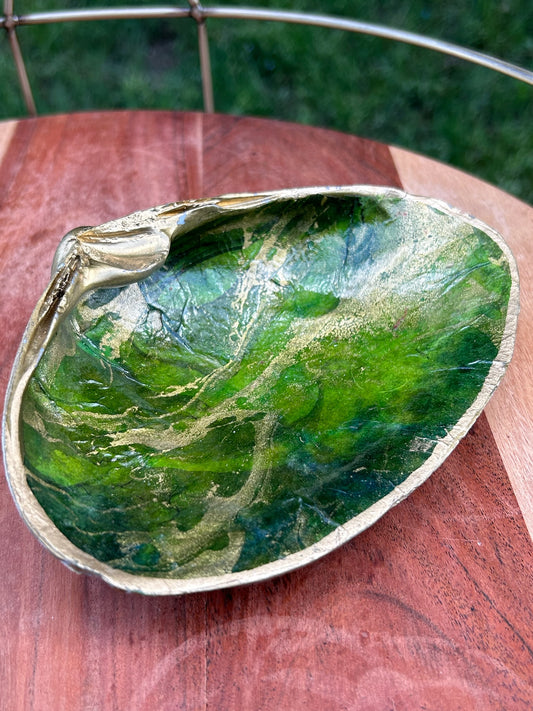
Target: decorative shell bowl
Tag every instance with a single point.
(214, 392)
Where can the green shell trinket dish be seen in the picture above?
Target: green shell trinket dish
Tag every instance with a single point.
(214, 392)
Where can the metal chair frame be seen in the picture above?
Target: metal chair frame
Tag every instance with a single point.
(200, 14)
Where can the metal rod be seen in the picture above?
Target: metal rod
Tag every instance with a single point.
(117, 13)
(205, 68)
(197, 12)
(9, 25)
(240, 13)
(339, 23)
(21, 71)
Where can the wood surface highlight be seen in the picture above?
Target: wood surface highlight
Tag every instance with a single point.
(6, 132)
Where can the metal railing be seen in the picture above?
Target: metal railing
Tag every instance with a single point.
(200, 14)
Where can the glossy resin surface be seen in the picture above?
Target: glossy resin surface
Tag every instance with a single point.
(291, 371)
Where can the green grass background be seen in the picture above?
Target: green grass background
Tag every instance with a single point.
(464, 115)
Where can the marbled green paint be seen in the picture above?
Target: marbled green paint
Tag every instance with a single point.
(278, 376)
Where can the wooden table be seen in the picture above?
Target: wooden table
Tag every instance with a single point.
(431, 608)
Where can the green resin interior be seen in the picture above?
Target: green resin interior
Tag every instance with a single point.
(280, 374)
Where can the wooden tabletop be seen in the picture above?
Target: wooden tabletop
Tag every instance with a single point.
(431, 608)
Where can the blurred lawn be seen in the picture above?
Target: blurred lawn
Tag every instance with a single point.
(463, 115)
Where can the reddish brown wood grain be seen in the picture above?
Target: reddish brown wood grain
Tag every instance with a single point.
(430, 609)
